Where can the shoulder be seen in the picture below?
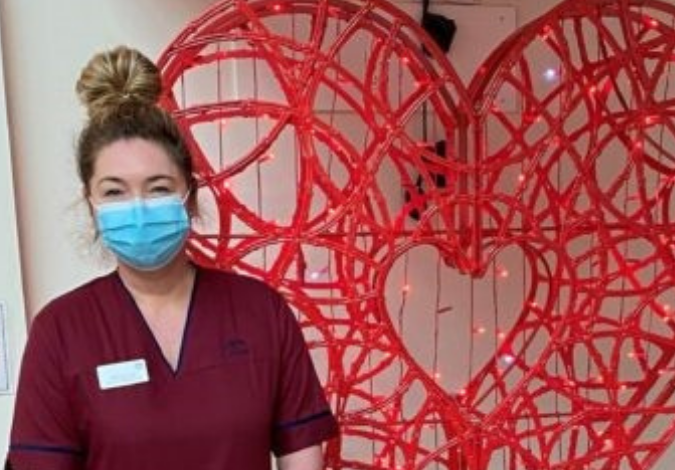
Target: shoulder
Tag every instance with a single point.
(257, 308)
(238, 286)
(70, 306)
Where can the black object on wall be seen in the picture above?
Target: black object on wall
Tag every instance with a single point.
(441, 29)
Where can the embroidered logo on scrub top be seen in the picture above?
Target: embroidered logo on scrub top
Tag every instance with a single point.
(236, 347)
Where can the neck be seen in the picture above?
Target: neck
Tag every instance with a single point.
(173, 279)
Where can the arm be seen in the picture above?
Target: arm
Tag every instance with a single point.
(44, 431)
(302, 415)
(309, 458)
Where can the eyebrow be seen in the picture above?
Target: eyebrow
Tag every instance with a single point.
(152, 179)
(156, 178)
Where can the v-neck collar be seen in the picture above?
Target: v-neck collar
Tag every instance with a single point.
(157, 350)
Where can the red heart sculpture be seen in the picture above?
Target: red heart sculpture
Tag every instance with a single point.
(486, 289)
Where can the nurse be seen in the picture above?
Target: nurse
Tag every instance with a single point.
(160, 364)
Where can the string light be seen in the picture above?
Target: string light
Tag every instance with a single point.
(551, 74)
(651, 119)
(608, 444)
(508, 359)
(651, 22)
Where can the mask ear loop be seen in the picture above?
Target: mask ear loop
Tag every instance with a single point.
(92, 208)
(190, 206)
(187, 196)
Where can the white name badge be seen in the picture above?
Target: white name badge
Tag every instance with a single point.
(122, 374)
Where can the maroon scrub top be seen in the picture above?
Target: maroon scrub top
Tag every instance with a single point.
(244, 385)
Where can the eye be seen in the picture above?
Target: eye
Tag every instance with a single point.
(160, 190)
(112, 193)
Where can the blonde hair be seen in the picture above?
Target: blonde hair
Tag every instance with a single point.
(120, 89)
(112, 80)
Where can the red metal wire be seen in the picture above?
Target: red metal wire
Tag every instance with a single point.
(577, 182)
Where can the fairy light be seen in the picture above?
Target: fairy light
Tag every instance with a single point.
(550, 74)
(508, 358)
(608, 444)
(651, 119)
(651, 22)
(319, 273)
(545, 33)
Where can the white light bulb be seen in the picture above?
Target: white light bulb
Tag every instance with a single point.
(551, 74)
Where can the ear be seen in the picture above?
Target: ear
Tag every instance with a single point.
(192, 204)
(86, 196)
(193, 208)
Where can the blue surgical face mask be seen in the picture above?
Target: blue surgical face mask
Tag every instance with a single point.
(145, 234)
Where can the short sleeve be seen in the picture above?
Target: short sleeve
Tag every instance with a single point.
(303, 417)
(43, 432)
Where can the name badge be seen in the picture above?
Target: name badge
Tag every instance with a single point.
(122, 374)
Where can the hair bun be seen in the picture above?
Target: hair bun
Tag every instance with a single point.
(118, 78)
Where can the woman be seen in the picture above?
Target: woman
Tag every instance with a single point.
(160, 364)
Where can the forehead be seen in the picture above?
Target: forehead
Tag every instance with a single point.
(133, 159)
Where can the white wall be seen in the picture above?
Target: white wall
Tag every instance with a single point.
(12, 331)
(45, 44)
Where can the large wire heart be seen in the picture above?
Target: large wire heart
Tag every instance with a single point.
(481, 288)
